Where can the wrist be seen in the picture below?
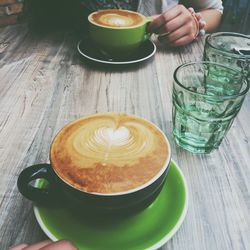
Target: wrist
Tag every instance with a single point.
(200, 23)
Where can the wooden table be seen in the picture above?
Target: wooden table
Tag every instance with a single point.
(44, 85)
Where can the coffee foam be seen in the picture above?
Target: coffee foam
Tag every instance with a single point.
(108, 153)
(117, 18)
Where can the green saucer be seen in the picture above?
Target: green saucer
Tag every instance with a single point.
(147, 229)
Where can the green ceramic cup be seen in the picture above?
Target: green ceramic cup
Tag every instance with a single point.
(118, 33)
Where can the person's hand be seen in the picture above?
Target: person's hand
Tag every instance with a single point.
(175, 27)
(46, 245)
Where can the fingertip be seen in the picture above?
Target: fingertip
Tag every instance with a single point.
(191, 9)
(68, 245)
(19, 246)
(66, 242)
(61, 244)
(198, 15)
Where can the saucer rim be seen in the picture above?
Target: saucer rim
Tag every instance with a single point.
(157, 245)
(119, 62)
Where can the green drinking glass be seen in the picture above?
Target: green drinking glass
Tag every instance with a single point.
(206, 98)
(230, 49)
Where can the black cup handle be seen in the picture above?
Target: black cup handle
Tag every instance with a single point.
(41, 195)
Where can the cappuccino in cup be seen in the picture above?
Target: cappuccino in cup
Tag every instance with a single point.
(117, 18)
(106, 162)
(109, 153)
(118, 33)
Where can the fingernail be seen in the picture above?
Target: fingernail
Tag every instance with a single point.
(191, 9)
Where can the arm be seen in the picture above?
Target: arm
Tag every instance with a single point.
(212, 18)
(177, 26)
(210, 10)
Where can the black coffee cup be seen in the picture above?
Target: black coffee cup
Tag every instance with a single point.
(60, 190)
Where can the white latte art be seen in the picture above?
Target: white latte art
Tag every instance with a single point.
(116, 20)
(110, 145)
(109, 136)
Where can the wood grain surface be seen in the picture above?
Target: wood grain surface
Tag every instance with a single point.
(44, 84)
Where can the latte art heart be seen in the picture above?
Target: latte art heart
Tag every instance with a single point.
(121, 146)
(107, 153)
(117, 18)
(109, 136)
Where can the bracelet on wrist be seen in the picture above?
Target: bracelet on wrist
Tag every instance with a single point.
(200, 23)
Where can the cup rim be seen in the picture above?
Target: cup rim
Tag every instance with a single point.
(119, 28)
(225, 51)
(130, 191)
(222, 97)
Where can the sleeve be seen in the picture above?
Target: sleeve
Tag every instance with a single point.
(206, 4)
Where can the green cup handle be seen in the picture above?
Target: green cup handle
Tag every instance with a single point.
(147, 35)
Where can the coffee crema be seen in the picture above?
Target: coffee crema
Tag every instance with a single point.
(108, 153)
(117, 18)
